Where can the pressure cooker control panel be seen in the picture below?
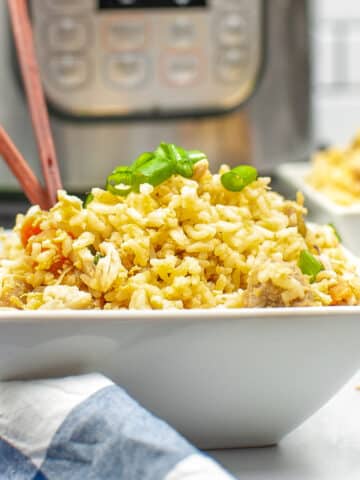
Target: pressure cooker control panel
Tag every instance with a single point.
(126, 57)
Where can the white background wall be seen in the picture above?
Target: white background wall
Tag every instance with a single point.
(336, 70)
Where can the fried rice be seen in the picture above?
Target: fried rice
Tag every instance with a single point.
(341, 183)
(187, 243)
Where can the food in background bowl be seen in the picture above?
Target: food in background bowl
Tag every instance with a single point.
(331, 185)
(336, 173)
(166, 233)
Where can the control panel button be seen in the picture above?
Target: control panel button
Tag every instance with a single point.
(67, 34)
(231, 64)
(124, 34)
(182, 69)
(232, 29)
(126, 69)
(69, 71)
(182, 32)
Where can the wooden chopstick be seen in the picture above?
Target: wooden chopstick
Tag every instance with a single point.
(24, 42)
(20, 168)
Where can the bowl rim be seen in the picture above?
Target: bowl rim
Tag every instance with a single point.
(211, 314)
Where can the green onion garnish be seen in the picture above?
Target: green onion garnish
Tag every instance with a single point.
(176, 153)
(120, 181)
(89, 198)
(195, 156)
(337, 234)
(184, 168)
(153, 168)
(238, 178)
(154, 171)
(309, 265)
(185, 161)
(143, 158)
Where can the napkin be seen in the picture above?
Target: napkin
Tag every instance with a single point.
(85, 428)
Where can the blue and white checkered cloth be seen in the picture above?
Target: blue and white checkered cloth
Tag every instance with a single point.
(87, 428)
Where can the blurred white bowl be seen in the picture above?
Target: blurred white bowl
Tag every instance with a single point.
(224, 378)
(346, 219)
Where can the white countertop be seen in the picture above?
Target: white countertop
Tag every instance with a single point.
(325, 447)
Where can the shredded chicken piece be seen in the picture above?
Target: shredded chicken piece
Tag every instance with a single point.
(269, 293)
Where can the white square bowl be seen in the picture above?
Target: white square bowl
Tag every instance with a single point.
(222, 377)
(321, 209)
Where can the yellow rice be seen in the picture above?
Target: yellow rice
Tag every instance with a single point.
(336, 173)
(187, 243)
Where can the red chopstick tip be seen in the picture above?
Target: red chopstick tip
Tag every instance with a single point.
(24, 41)
(22, 171)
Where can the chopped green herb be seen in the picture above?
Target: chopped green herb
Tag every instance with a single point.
(239, 177)
(184, 168)
(161, 150)
(176, 153)
(184, 161)
(195, 156)
(337, 234)
(89, 198)
(154, 171)
(120, 181)
(143, 158)
(97, 257)
(309, 265)
(153, 168)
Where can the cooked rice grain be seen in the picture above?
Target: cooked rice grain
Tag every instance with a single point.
(187, 243)
(341, 184)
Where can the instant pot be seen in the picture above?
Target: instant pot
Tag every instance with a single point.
(229, 77)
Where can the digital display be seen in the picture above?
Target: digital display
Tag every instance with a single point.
(112, 4)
